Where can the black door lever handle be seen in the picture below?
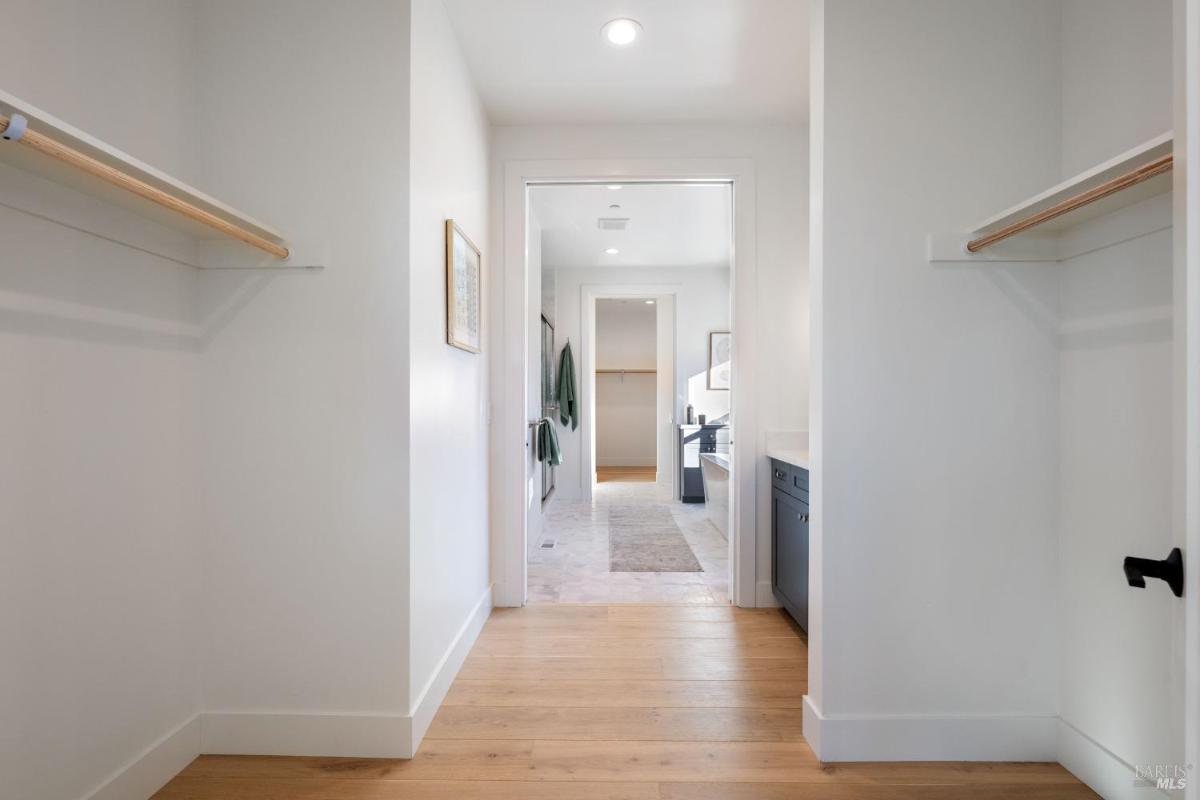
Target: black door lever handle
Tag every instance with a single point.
(1170, 569)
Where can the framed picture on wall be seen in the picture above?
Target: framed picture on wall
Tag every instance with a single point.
(464, 268)
(720, 356)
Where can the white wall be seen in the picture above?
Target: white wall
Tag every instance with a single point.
(781, 178)
(626, 338)
(305, 381)
(209, 477)
(98, 525)
(702, 304)
(1118, 682)
(343, 580)
(625, 333)
(449, 454)
(1116, 77)
(935, 389)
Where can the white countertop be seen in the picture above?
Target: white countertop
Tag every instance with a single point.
(797, 458)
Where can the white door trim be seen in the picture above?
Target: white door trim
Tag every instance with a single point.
(510, 307)
(1187, 330)
(666, 297)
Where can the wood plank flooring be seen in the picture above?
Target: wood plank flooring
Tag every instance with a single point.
(560, 702)
(625, 474)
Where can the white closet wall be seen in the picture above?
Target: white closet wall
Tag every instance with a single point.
(1026, 443)
(935, 388)
(1120, 686)
(305, 385)
(99, 606)
(214, 541)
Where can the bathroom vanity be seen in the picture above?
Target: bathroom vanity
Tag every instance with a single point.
(789, 533)
(695, 440)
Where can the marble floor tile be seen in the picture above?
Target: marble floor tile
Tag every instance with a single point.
(576, 569)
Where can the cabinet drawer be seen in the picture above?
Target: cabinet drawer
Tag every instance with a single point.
(781, 475)
(790, 479)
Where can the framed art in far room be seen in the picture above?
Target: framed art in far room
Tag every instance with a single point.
(720, 354)
(464, 276)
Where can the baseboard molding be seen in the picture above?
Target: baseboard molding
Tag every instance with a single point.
(810, 726)
(930, 738)
(298, 734)
(1107, 773)
(351, 735)
(436, 687)
(157, 764)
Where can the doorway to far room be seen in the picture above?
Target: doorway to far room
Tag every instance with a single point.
(635, 298)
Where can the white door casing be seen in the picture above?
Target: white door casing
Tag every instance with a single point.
(510, 384)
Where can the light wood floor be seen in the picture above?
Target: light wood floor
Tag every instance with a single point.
(650, 702)
(625, 474)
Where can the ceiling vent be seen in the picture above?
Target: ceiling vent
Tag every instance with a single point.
(613, 223)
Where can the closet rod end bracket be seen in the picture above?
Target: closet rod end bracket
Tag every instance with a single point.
(15, 128)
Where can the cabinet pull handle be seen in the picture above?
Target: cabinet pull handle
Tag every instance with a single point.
(803, 518)
(779, 474)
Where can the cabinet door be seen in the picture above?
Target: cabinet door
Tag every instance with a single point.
(791, 555)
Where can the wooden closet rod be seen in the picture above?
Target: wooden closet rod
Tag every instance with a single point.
(1135, 176)
(626, 371)
(49, 147)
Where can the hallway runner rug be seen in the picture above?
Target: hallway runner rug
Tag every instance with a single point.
(646, 539)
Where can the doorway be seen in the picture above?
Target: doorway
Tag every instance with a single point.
(516, 289)
(626, 379)
(637, 279)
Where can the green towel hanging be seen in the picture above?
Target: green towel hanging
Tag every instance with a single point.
(546, 439)
(568, 400)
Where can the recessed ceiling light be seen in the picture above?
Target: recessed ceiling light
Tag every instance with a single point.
(612, 251)
(649, 302)
(621, 32)
(614, 186)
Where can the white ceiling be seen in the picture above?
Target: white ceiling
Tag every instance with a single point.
(544, 61)
(670, 225)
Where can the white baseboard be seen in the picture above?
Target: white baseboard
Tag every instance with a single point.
(1108, 774)
(299, 734)
(157, 764)
(352, 735)
(930, 738)
(438, 684)
(810, 726)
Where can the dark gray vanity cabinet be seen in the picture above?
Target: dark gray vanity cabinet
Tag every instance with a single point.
(789, 539)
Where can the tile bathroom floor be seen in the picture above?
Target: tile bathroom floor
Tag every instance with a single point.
(576, 570)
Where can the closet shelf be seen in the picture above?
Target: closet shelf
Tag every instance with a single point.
(52, 149)
(1033, 229)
